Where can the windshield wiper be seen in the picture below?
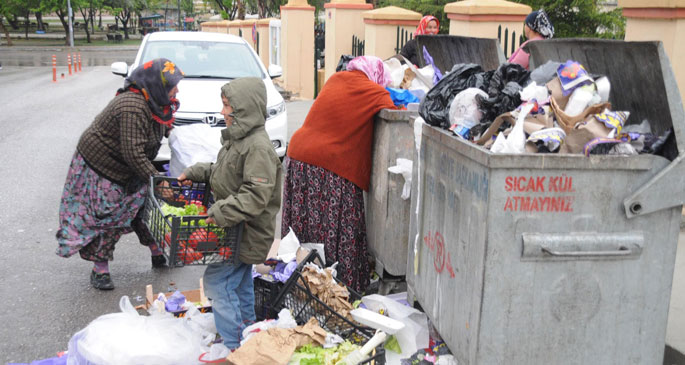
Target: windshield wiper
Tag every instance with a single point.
(208, 77)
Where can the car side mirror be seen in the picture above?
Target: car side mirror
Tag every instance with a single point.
(120, 68)
(275, 71)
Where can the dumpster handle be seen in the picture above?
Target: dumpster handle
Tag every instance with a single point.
(622, 251)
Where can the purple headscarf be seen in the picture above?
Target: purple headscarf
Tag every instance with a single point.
(155, 79)
(373, 67)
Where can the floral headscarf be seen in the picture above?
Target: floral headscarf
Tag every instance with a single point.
(154, 79)
(539, 22)
(421, 29)
(373, 67)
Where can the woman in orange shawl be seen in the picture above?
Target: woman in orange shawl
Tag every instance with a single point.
(329, 167)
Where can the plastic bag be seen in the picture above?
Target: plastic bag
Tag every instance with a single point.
(401, 96)
(191, 144)
(516, 141)
(403, 167)
(396, 71)
(342, 63)
(287, 250)
(504, 90)
(464, 113)
(128, 338)
(434, 109)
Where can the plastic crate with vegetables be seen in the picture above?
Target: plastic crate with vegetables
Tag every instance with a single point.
(177, 223)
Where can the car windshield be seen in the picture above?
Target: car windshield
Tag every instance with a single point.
(206, 59)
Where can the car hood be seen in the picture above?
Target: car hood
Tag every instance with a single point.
(204, 95)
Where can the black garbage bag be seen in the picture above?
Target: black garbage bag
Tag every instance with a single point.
(435, 107)
(342, 64)
(503, 91)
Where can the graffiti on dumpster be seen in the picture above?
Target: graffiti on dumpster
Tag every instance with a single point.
(560, 188)
(442, 259)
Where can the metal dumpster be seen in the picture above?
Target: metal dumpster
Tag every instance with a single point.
(554, 259)
(387, 215)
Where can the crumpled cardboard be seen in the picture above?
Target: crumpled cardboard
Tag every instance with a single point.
(567, 122)
(578, 137)
(324, 287)
(277, 345)
(409, 76)
(532, 123)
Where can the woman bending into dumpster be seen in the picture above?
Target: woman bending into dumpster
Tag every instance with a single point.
(537, 26)
(329, 166)
(429, 25)
(246, 183)
(106, 186)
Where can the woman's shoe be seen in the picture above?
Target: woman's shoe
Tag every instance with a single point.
(158, 261)
(101, 281)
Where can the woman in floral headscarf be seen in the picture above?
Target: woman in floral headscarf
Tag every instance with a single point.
(429, 25)
(106, 185)
(329, 166)
(536, 26)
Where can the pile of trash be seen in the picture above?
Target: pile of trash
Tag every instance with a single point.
(556, 108)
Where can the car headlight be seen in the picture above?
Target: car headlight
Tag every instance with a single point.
(275, 110)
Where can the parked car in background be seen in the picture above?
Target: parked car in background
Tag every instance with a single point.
(209, 60)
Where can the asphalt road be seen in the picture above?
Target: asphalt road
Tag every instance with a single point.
(46, 298)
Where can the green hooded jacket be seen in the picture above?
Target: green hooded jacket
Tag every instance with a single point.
(246, 179)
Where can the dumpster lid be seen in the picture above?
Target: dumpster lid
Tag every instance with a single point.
(642, 82)
(449, 50)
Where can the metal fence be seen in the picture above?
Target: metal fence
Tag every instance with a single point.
(509, 43)
(357, 46)
(403, 36)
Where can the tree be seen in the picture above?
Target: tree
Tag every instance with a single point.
(581, 18)
(123, 10)
(59, 8)
(87, 10)
(6, 10)
(571, 18)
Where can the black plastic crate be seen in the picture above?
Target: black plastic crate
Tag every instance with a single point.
(186, 240)
(298, 297)
(266, 292)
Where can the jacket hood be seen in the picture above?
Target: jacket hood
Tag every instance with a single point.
(248, 98)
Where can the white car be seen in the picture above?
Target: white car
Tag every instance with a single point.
(209, 60)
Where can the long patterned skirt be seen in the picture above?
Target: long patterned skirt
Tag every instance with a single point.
(322, 207)
(96, 212)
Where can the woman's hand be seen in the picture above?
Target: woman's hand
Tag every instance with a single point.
(184, 179)
(210, 220)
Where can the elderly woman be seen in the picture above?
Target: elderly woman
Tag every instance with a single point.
(329, 167)
(536, 26)
(429, 25)
(106, 185)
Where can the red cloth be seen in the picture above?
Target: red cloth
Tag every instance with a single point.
(338, 131)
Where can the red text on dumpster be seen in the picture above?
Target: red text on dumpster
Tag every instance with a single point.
(442, 260)
(543, 185)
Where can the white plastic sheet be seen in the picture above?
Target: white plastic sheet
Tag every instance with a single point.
(191, 144)
(128, 338)
(412, 337)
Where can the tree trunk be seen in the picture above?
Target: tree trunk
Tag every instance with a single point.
(13, 22)
(26, 24)
(62, 15)
(4, 30)
(39, 21)
(91, 12)
(85, 13)
(100, 19)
